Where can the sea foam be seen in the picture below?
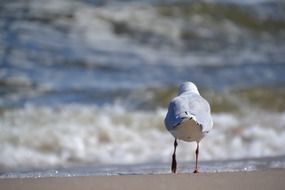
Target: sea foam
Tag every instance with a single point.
(45, 137)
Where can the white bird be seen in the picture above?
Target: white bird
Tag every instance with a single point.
(188, 118)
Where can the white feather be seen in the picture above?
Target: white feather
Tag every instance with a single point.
(188, 113)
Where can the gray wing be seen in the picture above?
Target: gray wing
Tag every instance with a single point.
(172, 119)
(189, 105)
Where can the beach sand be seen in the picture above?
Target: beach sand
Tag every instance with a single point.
(269, 179)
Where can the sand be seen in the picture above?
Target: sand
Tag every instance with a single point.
(272, 179)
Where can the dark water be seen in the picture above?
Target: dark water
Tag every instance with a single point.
(78, 51)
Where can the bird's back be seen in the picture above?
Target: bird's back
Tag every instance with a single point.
(189, 105)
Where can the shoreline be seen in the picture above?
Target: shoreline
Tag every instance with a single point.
(266, 179)
(214, 166)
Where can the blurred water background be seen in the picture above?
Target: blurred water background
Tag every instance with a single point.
(88, 82)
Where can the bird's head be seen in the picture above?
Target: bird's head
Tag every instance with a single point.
(188, 87)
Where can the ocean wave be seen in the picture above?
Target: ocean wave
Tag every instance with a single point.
(44, 137)
(193, 33)
(86, 47)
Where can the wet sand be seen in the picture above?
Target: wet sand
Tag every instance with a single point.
(270, 179)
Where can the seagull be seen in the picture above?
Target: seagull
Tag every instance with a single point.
(188, 118)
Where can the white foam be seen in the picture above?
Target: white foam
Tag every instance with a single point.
(35, 137)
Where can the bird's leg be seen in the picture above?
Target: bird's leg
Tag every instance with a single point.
(173, 164)
(197, 156)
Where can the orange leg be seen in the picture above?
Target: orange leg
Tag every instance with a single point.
(173, 164)
(197, 157)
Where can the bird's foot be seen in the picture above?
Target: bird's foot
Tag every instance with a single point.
(196, 171)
